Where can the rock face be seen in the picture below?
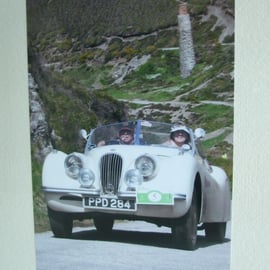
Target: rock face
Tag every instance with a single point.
(40, 137)
(124, 69)
(225, 19)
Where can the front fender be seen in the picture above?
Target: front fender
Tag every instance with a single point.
(53, 172)
(217, 199)
(176, 175)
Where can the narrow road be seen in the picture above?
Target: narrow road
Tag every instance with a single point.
(132, 246)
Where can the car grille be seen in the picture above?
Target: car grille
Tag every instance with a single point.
(110, 173)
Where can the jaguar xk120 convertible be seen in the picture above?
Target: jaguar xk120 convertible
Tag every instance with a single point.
(139, 170)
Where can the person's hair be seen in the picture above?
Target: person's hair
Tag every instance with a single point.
(126, 130)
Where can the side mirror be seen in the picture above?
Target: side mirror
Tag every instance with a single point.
(199, 133)
(184, 148)
(84, 134)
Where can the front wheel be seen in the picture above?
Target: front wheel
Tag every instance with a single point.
(61, 224)
(215, 232)
(185, 233)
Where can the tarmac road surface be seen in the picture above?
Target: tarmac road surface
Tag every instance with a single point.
(133, 245)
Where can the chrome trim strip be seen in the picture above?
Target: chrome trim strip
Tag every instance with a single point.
(71, 191)
(180, 196)
(126, 195)
(88, 192)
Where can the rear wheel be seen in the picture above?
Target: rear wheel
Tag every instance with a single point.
(104, 225)
(61, 224)
(215, 232)
(185, 233)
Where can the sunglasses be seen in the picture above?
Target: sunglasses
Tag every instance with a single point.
(179, 134)
(125, 133)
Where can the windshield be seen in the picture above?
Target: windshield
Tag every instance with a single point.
(139, 132)
(142, 132)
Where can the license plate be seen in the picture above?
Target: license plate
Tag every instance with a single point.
(109, 203)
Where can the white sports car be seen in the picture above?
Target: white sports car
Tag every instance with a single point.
(137, 170)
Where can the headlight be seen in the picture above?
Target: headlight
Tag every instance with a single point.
(87, 178)
(133, 178)
(146, 165)
(73, 165)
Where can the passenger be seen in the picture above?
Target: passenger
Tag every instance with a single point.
(179, 136)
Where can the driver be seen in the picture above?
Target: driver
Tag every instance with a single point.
(126, 135)
(179, 136)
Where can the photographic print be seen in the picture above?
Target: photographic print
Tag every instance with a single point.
(131, 110)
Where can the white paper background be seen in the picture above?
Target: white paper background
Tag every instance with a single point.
(16, 218)
(251, 190)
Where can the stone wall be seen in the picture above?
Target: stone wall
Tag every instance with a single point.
(40, 137)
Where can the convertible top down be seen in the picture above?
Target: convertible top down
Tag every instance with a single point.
(147, 179)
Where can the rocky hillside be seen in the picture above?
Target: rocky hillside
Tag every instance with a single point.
(99, 61)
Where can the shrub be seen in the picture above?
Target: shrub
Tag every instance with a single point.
(65, 45)
(151, 49)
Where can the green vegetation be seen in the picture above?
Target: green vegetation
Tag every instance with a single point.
(212, 117)
(40, 210)
(116, 17)
(208, 144)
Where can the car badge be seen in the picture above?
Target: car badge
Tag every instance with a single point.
(109, 189)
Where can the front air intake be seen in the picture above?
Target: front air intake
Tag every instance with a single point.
(110, 173)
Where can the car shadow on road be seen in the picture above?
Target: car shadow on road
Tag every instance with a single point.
(157, 239)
